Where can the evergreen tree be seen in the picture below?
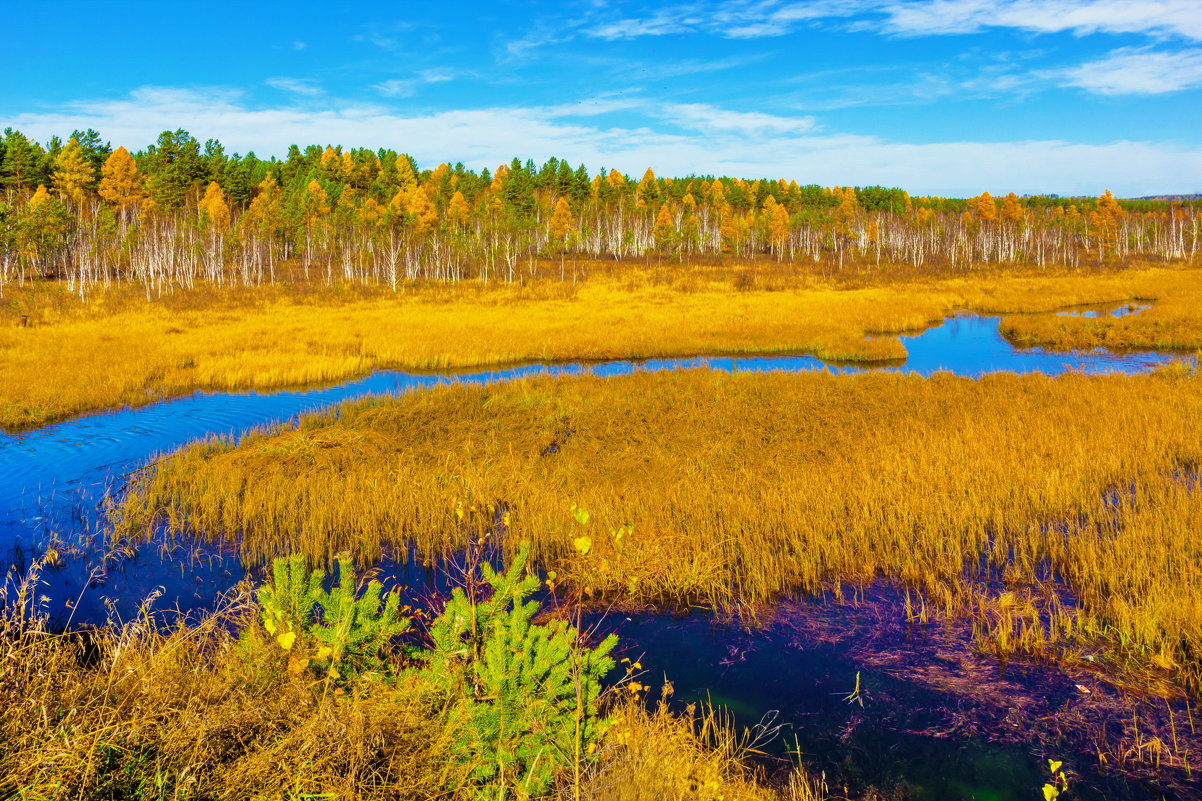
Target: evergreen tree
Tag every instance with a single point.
(44, 231)
(22, 166)
(523, 696)
(518, 191)
(173, 166)
(95, 149)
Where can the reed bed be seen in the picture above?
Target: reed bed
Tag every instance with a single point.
(1053, 511)
(122, 349)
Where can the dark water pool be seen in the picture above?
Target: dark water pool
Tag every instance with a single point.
(53, 482)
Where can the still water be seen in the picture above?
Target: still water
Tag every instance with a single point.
(53, 482)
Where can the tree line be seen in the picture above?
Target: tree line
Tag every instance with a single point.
(178, 212)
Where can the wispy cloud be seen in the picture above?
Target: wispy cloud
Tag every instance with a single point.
(385, 37)
(1181, 18)
(737, 19)
(1130, 71)
(300, 86)
(708, 119)
(407, 87)
(734, 20)
(676, 140)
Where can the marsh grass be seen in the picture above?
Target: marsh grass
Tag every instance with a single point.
(678, 756)
(994, 498)
(139, 712)
(122, 349)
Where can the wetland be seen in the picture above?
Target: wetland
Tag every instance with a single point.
(918, 576)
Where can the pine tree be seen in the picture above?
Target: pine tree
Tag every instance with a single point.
(523, 696)
(44, 231)
(21, 165)
(337, 634)
(94, 148)
(173, 167)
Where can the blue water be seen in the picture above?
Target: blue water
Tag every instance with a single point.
(54, 481)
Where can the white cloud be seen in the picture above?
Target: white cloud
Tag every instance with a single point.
(300, 86)
(299, 45)
(734, 19)
(700, 139)
(660, 25)
(1156, 17)
(739, 19)
(407, 87)
(1137, 71)
(706, 118)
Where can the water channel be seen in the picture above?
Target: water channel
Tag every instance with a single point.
(795, 672)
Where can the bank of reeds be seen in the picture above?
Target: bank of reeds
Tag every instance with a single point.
(1052, 510)
(139, 712)
(123, 350)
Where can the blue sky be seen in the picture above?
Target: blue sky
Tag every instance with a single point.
(947, 97)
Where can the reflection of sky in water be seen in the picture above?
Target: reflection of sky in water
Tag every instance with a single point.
(54, 478)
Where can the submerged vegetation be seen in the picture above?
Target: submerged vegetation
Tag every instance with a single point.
(119, 349)
(1055, 513)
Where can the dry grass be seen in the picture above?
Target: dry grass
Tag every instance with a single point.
(714, 488)
(135, 713)
(124, 350)
(660, 756)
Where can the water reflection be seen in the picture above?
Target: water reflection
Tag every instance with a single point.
(53, 480)
(53, 483)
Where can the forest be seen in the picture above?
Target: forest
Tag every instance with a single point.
(178, 212)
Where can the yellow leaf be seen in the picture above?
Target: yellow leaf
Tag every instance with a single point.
(286, 639)
(583, 544)
(1054, 765)
(323, 652)
(1050, 792)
